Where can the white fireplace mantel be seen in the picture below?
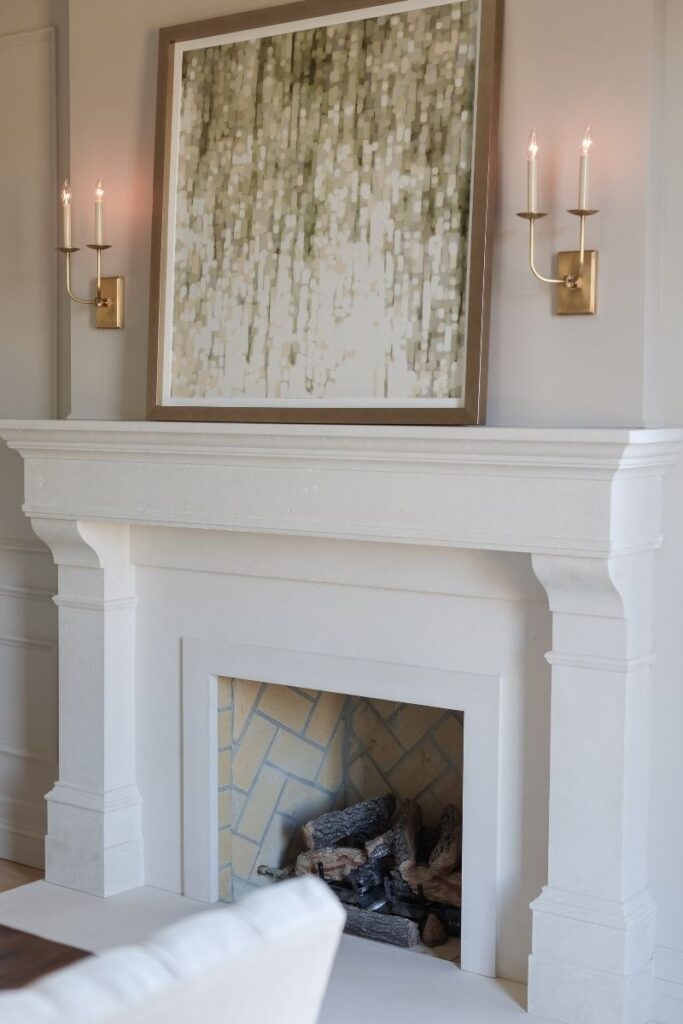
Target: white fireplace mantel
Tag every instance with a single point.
(573, 492)
(585, 504)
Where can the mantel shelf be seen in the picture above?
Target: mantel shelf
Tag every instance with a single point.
(537, 490)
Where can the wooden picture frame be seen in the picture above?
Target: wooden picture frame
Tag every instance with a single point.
(469, 406)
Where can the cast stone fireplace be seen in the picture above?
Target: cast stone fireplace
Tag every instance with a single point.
(319, 557)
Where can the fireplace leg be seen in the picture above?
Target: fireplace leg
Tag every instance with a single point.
(94, 840)
(593, 925)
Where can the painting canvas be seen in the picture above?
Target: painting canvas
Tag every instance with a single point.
(315, 251)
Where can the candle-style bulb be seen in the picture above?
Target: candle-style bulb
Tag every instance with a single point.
(587, 142)
(99, 195)
(532, 174)
(583, 169)
(533, 146)
(65, 198)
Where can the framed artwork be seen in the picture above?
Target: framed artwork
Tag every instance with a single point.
(323, 206)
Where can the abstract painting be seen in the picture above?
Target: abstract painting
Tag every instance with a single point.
(319, 192)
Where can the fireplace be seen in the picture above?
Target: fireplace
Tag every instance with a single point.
(291, 759)
(345, 703)
(421, 566)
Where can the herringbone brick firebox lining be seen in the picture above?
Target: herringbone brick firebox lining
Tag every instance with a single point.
(288, 754)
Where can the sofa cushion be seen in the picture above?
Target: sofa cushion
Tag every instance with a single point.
(264, 961)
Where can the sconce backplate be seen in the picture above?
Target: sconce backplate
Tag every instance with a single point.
(111, 315)
(577, 301)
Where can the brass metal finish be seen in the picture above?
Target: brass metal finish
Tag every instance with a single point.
(82, 302)
(581, 300)
(109, 315)
(108, 300)
(532, 217)
(577, 283)
(481, 225)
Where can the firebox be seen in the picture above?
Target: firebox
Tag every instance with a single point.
(366, 793)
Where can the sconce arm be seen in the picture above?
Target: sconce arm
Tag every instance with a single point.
(98, 301)
(83, 302)
(532, 218)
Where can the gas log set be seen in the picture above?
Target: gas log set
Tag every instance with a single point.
(400, 882)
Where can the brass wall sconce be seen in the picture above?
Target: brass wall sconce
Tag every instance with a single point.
(577, 280)
(108, 300)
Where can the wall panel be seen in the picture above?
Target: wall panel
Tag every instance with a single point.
(28, 388)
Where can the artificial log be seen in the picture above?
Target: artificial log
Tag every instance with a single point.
(426, 841)
(446, 855)
(367, 876)
(368, 924)
(379, 847)
(405, 829)
(354, 825)
(438, 888)
(333, 864)
(397, 887)
(276, 873)
(433, 931)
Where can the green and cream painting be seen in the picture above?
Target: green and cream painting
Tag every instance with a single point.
(320, 209)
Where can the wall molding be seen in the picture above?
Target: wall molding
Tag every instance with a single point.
(26, 593)
(596, 663)
(29, 643)
(29, 754)
(22, 845)
(36, 35)
(669, 966)
(97, 605)
(667, 987)
(23, 547)
(22, 831)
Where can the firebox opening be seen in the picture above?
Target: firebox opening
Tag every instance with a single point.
(366, 793)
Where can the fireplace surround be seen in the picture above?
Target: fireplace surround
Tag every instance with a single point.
(478, 696)
(303, 556)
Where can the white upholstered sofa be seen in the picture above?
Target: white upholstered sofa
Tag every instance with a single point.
(266, 960)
